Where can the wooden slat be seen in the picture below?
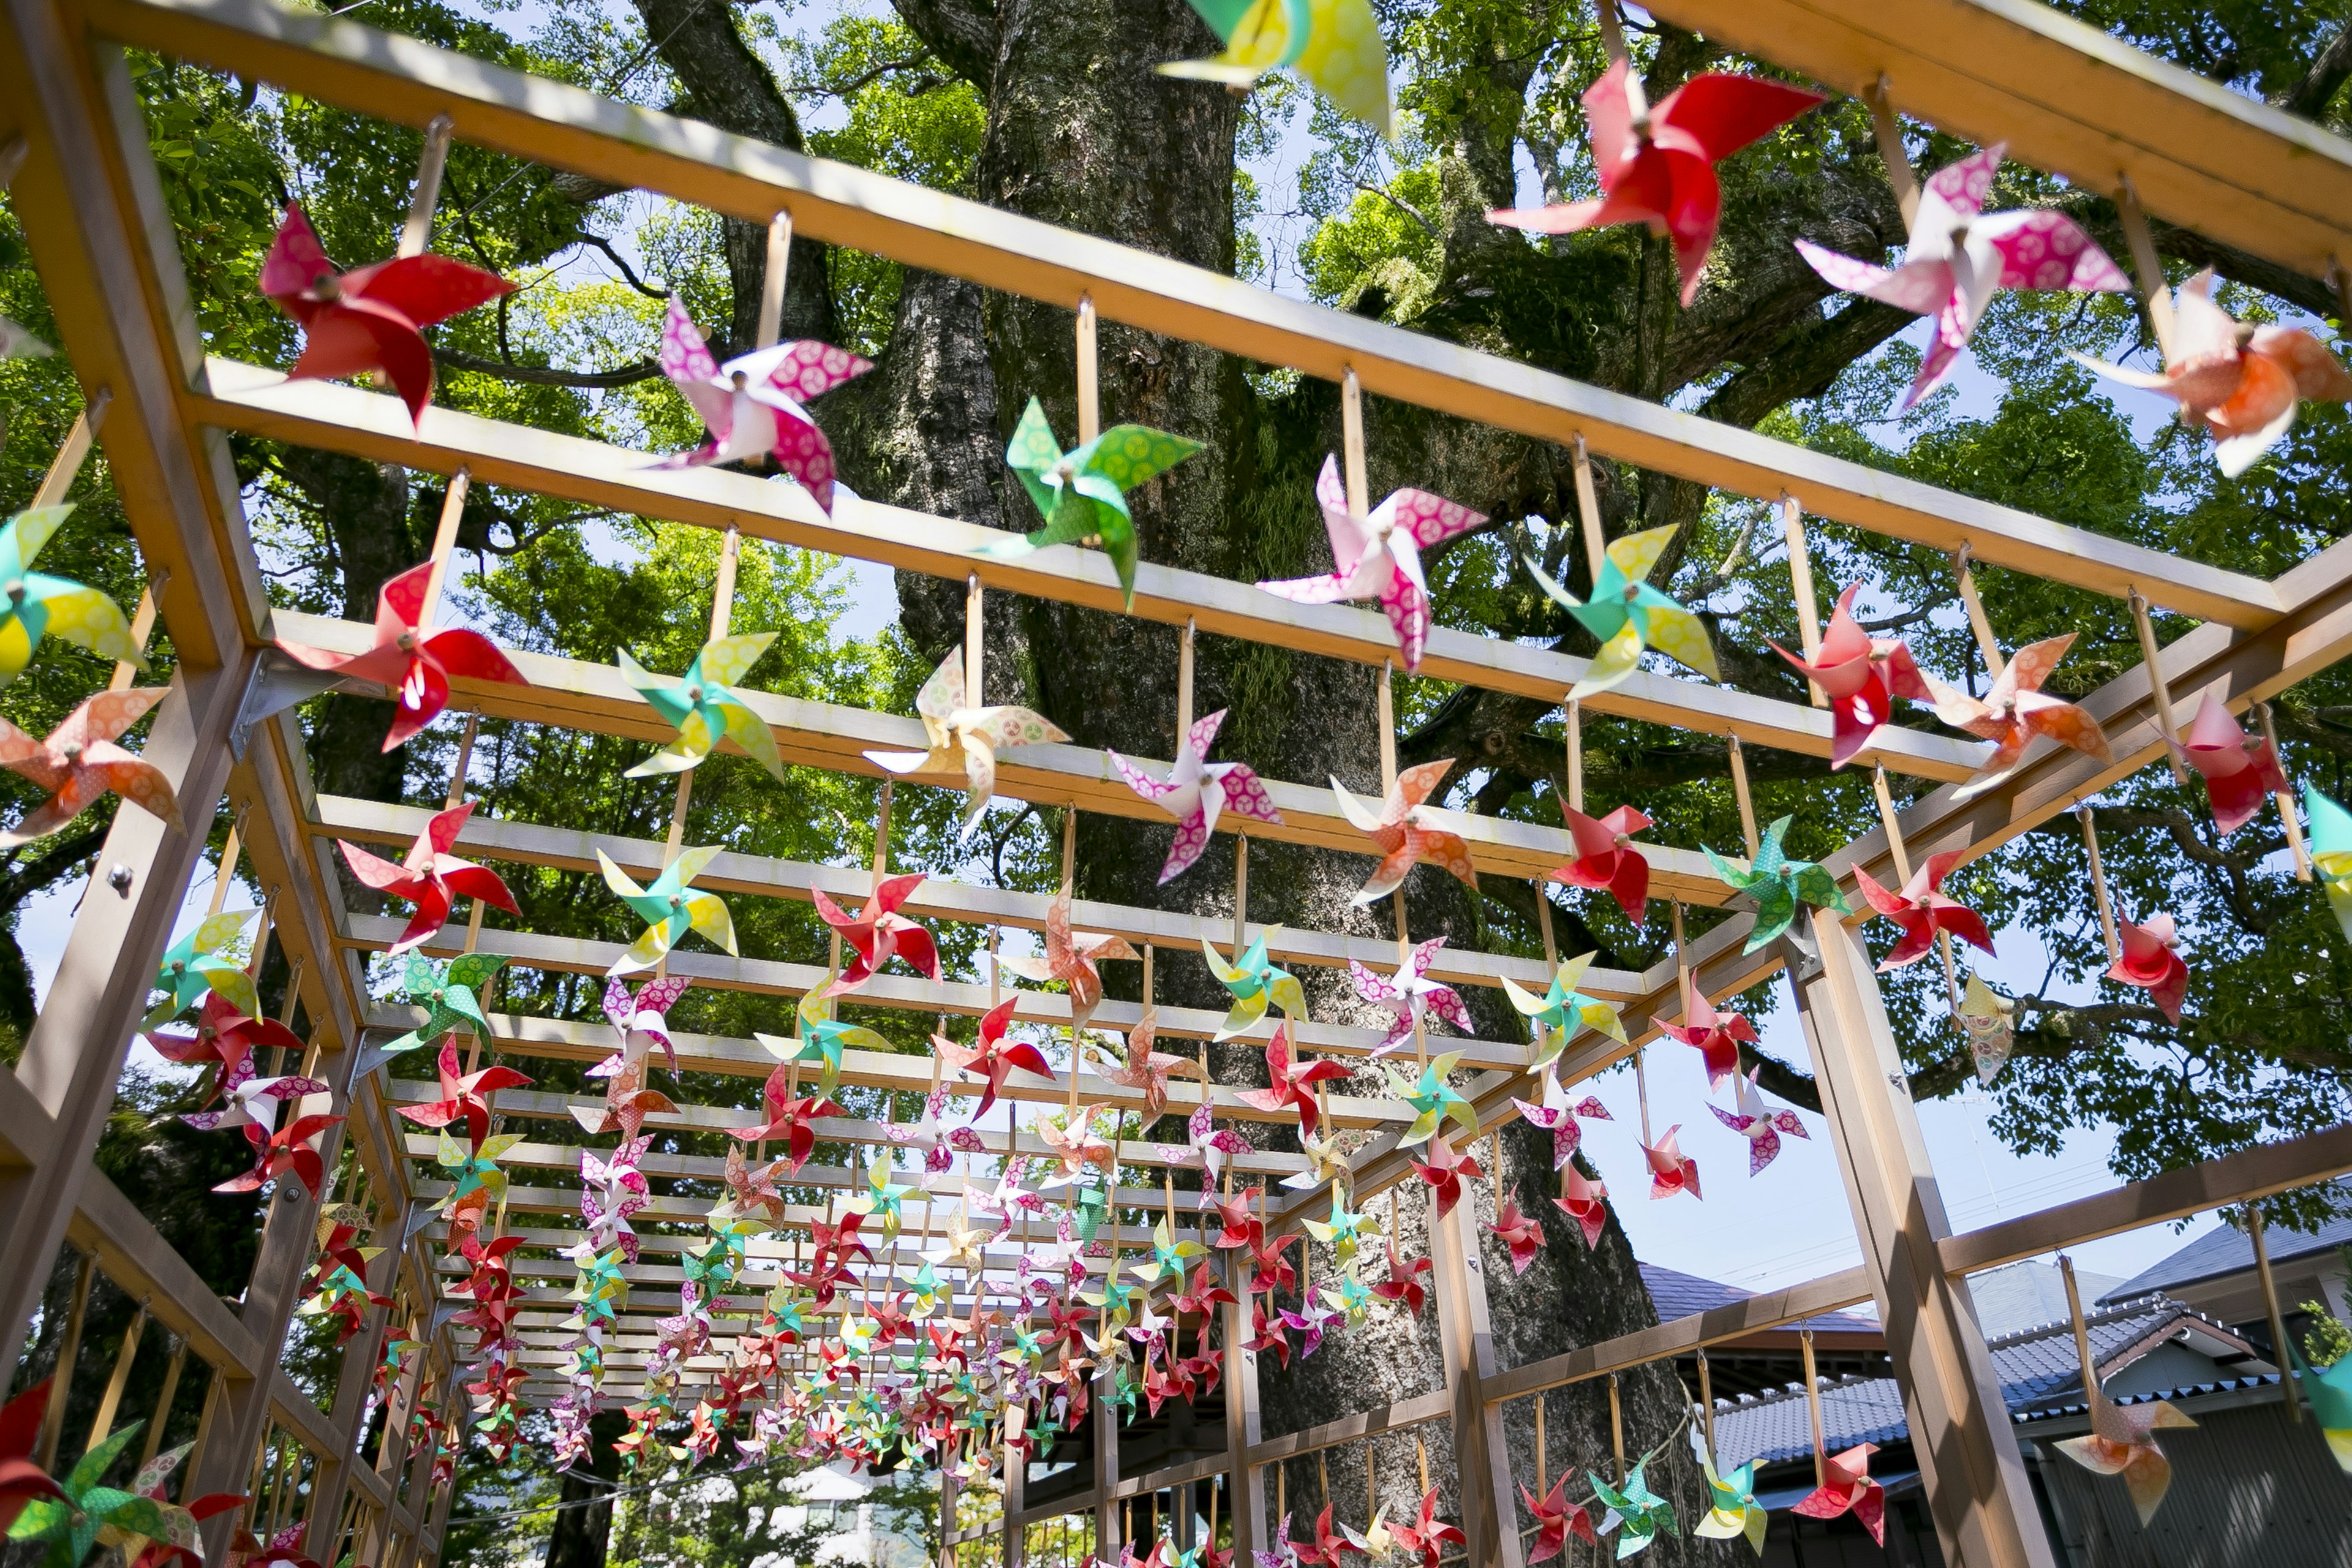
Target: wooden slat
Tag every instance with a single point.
(1431, 1406)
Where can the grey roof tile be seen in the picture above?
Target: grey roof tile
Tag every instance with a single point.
(2224, 1250)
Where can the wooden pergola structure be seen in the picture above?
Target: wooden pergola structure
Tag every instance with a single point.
(2063, 96)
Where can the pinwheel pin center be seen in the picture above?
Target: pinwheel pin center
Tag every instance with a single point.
(17, 590)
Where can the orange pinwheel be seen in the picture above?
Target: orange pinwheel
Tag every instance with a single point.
(414, 664)
(79, 761)
(2015, 710)
(430, 876)
(879, 933)
(994, 1057)
(1071, 958)
(1402, 832)
(2122, 1442)
(1846, 1487)
(1607, 856)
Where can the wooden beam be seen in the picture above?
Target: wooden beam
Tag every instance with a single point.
(1431, 1406)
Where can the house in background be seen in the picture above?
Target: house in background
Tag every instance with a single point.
(2215, 1274)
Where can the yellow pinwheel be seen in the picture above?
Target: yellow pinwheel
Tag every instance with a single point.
(1562, 1010)
(1628, 614)
(965, 741)
(1335, 43)
(36, 605)
(670, 907)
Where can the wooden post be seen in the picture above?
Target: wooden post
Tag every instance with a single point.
(2271, 1311)
(1017, 1486)
(353, 1381)
(1801, 578)
(1466, 1343)
(1109, 1537)
(102, 1425)
(53, 1414)
(1242, 1433)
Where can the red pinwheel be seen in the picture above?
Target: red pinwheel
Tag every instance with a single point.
(1291, 1081)
(1922, 909)
(290, 1150)
(462, 1097)
(229, 1038)
(2240, 773)
(1671, 1171)
(1326, 1548)
(1860, 676)
(1607, 856)
(369, 318)
(994, 1057)
(1847, 1486)
(415, 665)
(1269, 1270)
(789, 1119)
(1240, 1227)
(1556, 1519)
(21, 1479)
(2151, 962)
(1659, 168)
(1521, 1234)
(1444, 1171)
(879, 933)
(1583, 1202)
(1428, 1534)
(1403, 1283)
(430, 876)
(1203, 1295)
(1718, 1036)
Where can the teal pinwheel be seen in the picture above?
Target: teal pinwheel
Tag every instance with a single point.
(930, 1294)
(1640, 1512)
(1256, 983)
(1627, 614)
(1345, 1230)
(2329, 1390)
(670, 907)
(1025, 1349)
(857, 1332)
(1089, 1206)
(1352, 1300)
(715, 1267)
(34, 603)
(2331, 852)
(1169, 1257)
(1732, 1508)
(1435, 1101)
(477, 1172)
(1562, 1010)
(191, 968)
(703, 708)
(821, 1038)
(1776, 885)
(1082, 493)
(450, 994)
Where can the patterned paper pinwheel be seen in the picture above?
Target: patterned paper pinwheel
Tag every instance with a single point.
(2329, 1389)
(1556, 1519)
(37, 605)
(1196, 792)
(1922, 909)
(430, 876)
(2015, 710)
(670, 907)
(612, 1189)
(1378, 556)
(2331, 852)
(1777, 885)
(1082, 493)
(1626, 615)
(2240, 773)
(1255, 984)
(1562, 1010)
(1327, 1547)
(1215, 1145)
(1436, 1101)
(1847, 1488)
(930, 1137)
(1658, 168)
(178, 1543)
(881, 1197)
(1732, 1511)
(190, 969)
(2243, 383)
(1557, 1116)
(79, 761)
(1607, 856)
(1402, 831)
(879, 933)
(2149, 960)
(703, 708)
(413, 664)
(753, 405)
(1635, 1508)
(463, 1096)
(627, 1103)
(1170, 1257)
(1444, 1171)
(1146, 1070)
(1584, 1202)
(292, 1149)
(965, 741)
(369, 318)
(1428, 1536)
(1990, 1021)
(821, 1038)
(71, 1515)
(1409, 996)
(451, 995)
(992, 1056)
(1671, 1171)
(1519, 1233)
(227, 1037)
(1291, 1081)
(1759, 1125)
(642, 1021)
(1861, 675)
(1955, 258)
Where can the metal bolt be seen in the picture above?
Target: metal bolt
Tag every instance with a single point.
(117, 877)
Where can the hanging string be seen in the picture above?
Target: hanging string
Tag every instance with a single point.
(1903, 876)
(1814, 1405)
(2146, 265)
(1978, 621)
(66, 466)
(2285, 799)
(2157, 688)
(2099, 884)
(1800, 579)
(1746, 803)
(1706, 1403)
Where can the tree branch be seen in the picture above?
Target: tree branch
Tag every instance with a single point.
(962, 32)
(537, 375)
(2312, 95)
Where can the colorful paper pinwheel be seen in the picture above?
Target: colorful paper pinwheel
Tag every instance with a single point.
(1585, 1202)
(1196, 792)
(190, 969)
(1291, 1081)
(1671, 1171)
(1760, 1126)
(2241, 384)
(1428, 1536)
(753, 405)
(1146, 1070)
(1403, 1284)
(1444, 1171)
(1519, 1233)
(292, 1149)
(1557, 1116)
(1990, 1021)
(227, 1037)
(627, 1103)
(2240, 773)
(22, 1480)
(1955, 258)
(1922, 909)
(2149, 962)
(2331, 852)
(703, 708)
(642, 1021)
(36, 604)
(1082, 493)
(1635, 1508)
(1214, 1144)
(992, 1056)
(79, 761)
(1402, 832)
(413, 665)
(1626, 615)
(1436, 1101)
(1255, 984)
(821, 1038)
(2016, 710)
(1777, 885)
(1658, 168)
(1556, 1519)
(70, 1515)
(670, 907)
(1378, 556)
(1562, 1010)
(450, 992)
(612, 1189)
(965, 741)
(1733, 1513)
(1607, 856)
(1409, 996)
(2329, 1390)
(463, 1096)
(1848, 1489)
(879, 933)
(430, 876)
(1861, 675)
(1334, 44)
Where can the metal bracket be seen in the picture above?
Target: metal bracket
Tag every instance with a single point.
(278, 682)
(1800, 950)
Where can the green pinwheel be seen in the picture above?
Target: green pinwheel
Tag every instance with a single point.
(1628, 616)
(1090, 1207)
(472, 1173)
(881, 1197)
(1562, 1010)
(1776, 885)
(2331, 852)
(930, 1294)
(820, 1038)
(1636, 1510)
(703, 709)
(2329, 1390)
(1169, 1257)
(34, 603)
(857, 1332)
(1256, 983)
(1345, 1230)
(190, 969)
(1082, 494)
(716, 1266)
(70, 1523)
(670, 907)
(1732, 1508)
(1124, 1391)
(450, 994)
(1435, 1101)
(1026, 1350)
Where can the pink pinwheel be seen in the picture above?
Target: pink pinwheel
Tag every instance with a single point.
(430, 876)
(611, 1189)
(1658, 168)
(1521, 1234)
(416, 666)
(2239, 772)
(1861, 675)
(369, 318)
(1583, 1202)
(1607, 856)
(2151, 962)
(1846, 1487)
(1955, 258)
(1555, 1116)
(227, 1036)
(1196, 792)
(992, 1056)
(2015, 710)
(1291, 1081)
(1311, 1324)
(1070, 956)
(464, 1097)
(936, 1141)
(643, 1020)
(1402, 834)
(1922, 909)
(79, 761)
(292, 1149)
(880, 933)
(253, 1103)
(1409, 996)
(1443, 1170)
(1378, 556)
(753, 405)
(1671, 1171)
(1718, 1036)
(1215, 1145)
(1762, 1127)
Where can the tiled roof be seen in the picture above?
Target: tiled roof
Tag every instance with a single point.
(1680, 1295)
(2225, 1250)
